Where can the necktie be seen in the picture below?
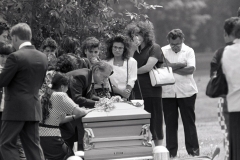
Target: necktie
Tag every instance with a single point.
(90, 91)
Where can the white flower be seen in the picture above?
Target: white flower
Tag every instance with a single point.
(50, 85)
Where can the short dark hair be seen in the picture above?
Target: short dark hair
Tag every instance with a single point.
(49, 42)
(22, 31)
(101, 65)
(144, 28)
(3, 27)
(90, 43)
(58, 80)
(6, 49)
(229, 24)
(69, 45)
(175, 33)
(236, 30)
(121, 39)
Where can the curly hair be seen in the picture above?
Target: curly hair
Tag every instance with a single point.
(89, 43)
(144, 28)
(57, 80)
(3, 27)
(66, 63)
(69, 45)
(174, 34)
(6, 49)
(49, 42)
(120, 39)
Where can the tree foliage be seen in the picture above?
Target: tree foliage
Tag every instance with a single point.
(77, 18)
(200, 20)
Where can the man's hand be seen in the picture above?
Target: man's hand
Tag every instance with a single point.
(175, 66)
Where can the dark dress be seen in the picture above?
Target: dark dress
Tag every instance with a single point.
(152, 96)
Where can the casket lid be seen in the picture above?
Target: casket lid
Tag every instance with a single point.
(122, 111)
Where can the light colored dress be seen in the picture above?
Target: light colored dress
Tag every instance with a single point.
(119, 78)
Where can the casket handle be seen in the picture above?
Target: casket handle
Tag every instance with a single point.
(88, 135)
(147, 141)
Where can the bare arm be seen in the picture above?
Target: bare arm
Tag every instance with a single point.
(185, 70)
(148, 66)
(175, 66)
(77, 113)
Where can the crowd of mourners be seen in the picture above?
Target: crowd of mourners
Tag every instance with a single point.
(46, 92)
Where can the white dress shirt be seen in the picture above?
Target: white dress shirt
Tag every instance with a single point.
(231, 69)
(119, 77)
(185, 85)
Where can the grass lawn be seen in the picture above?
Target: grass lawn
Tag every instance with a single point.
(209, 133)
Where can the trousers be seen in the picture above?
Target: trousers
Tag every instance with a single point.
(186, 107)
(28, 132)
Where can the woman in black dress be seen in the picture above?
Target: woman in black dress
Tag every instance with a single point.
(148, 55)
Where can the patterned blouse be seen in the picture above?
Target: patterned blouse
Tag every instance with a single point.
(61, 104)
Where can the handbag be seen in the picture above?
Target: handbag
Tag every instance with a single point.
(217, 85)
(162, 76)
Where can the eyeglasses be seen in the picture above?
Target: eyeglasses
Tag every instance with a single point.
(176, 45)
(118, 48)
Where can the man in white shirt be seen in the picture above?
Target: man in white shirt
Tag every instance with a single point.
(231, 66)
(181, 95)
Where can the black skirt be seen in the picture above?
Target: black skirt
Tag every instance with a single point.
(153, 105)
(52, 148)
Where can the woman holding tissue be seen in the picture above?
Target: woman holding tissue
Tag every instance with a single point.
(124, 67)
(57, 108)
(148, 54)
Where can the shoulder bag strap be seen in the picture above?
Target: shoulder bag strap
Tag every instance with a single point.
(164, 59)
(127, 71)
(140, 89)
(111, 86)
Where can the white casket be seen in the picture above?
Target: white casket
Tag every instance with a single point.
(121, 133)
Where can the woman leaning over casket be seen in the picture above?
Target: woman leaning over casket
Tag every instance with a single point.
(57, 109)
(147, 55)
(124, 67)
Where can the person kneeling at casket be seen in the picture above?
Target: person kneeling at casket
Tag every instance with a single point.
(55, 106)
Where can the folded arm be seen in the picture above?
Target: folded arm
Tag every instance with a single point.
(148, 66)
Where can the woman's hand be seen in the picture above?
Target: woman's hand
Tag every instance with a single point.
(126, 93)
(61, 118)
(89, 110)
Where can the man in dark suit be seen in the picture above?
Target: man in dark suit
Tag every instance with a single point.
(22, 77)
(81, 90)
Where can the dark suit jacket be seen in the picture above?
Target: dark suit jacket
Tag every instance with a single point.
(23, 75)
(80, 82)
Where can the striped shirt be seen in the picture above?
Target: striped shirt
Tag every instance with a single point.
(185, 85)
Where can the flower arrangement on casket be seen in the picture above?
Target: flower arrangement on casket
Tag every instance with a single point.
(106, 105)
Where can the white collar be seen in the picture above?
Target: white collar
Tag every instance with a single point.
(182, 49)
(25, 44)
(236, 40)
